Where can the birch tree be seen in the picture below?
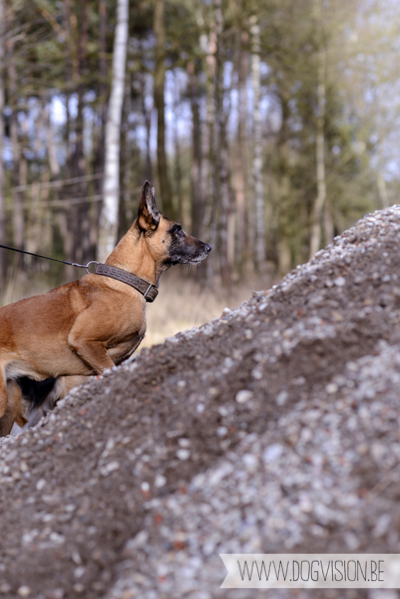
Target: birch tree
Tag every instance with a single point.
(159, 103)
(109, 214)
(316, 216)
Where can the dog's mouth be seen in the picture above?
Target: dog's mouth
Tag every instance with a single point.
(189, 256)
(195, 260)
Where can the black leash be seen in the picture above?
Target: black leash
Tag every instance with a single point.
(6, 247)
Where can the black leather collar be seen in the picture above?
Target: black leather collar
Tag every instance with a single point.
(148, 290)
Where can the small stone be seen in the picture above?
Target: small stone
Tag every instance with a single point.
(222, 431)
(250, 462)
(145, 487)
(248, 334)
(181, 384)
(78, 587)
(331, 388)
(257, 374)
(243, 396)
(160, 481)
(338, 317)
(272, 452)
(183, 454)
(282, 398)
(76, 558)
(41, 483)
(110, 467)
(4, 588)
(79, 572)
(24, 591)
(340, 281)
(184, 442)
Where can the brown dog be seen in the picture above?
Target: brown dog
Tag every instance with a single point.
(84, 327)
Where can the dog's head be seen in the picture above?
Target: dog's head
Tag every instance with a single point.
(166, 240)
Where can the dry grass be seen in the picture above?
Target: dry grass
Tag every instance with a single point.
(182, 304)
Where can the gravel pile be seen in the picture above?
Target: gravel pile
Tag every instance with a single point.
(272, 429)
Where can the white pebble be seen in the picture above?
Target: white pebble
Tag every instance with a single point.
(331, 388)
(183, 454)
(340, 281)
(282, 398)
(160, 481)
(222, 431)
(272, 452)
(184, 442)
(244, 395)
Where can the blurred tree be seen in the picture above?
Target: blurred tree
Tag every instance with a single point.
(159, 104)
(109, 219)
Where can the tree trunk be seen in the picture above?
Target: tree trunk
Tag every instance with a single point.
(82, 223)
(259, 224)
(125, 171)
(2, 203)
(51, 148)
(159, 104)
(284, 237)
(102, 86)
(146, 112)
(18, 213)
(316, 216)
(241, 174)
(100, 138)
(177, 152)
(109, 215)
(197, 199)
(208, 45)
(221, 169)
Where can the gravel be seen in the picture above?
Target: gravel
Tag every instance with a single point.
(272, 429)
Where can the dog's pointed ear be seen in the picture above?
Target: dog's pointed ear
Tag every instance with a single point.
(148, 214)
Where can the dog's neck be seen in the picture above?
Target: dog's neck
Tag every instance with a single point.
(133, 255)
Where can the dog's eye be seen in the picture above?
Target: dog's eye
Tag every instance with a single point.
(176, 230)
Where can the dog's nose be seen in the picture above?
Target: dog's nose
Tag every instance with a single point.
(208, 248)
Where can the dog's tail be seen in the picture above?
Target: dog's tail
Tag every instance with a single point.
(36, 392)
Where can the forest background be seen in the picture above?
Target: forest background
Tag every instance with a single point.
(266, 127)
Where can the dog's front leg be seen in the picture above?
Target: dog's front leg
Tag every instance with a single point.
(84, 340)
(93, 353)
